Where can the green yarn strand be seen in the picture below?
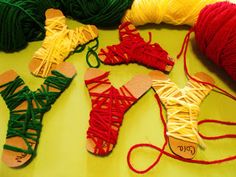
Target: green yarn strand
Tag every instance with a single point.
(103, 13)
(22, 21)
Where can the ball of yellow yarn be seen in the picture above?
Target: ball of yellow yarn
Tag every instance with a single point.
(176, 12)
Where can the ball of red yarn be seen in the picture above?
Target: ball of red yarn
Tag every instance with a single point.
(215, 33)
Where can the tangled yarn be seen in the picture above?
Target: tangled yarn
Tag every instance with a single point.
(102, 13)
(176, 12)
(22, 21)
(215, 33)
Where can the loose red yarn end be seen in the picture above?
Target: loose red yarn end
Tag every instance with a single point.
(162, 150)
(217, 122)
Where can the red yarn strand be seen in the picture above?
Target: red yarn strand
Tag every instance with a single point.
(143, 145)
(217, 122)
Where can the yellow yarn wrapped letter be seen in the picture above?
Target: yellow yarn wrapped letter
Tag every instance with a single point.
(59, 42)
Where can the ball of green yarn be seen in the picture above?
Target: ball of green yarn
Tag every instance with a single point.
(22, 21)
(103, 13)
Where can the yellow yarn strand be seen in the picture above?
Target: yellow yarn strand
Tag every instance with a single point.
(60, 42)
(182, 107)
(176, 12)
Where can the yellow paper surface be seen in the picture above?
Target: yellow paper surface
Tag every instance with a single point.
(62, 148)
